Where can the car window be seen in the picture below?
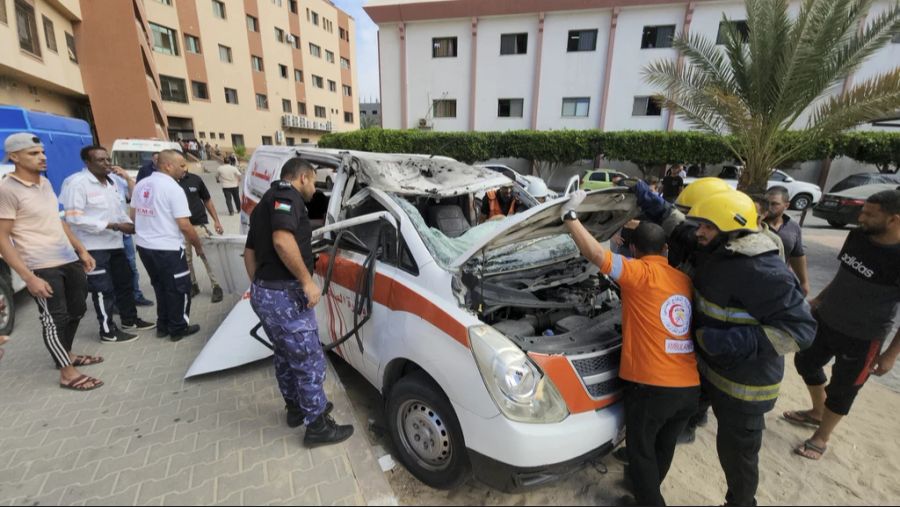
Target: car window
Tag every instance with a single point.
(777, 176)
(598, 177)
(371, 238)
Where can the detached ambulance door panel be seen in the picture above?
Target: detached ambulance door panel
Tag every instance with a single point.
(264, 169)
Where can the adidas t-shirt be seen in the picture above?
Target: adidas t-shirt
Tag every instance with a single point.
(864, 297)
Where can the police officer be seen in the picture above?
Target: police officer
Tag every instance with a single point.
(279, 260)
(749, 311)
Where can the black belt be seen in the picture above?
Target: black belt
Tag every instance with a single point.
(277, 284)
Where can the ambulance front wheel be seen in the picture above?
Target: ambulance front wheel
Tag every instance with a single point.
(426, 432)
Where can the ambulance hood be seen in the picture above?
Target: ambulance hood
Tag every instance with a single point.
(603, 213)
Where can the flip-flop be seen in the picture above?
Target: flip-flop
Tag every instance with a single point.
(801, 418)
(808, 447)
(86, 360)
(77, 384)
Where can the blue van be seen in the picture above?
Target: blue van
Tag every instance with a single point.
(63, 139)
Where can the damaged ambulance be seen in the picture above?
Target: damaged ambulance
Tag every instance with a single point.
(495, 346)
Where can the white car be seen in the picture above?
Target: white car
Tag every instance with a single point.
(802, 194)
(496, 347)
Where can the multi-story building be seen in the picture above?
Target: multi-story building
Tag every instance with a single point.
(369, 114)
(38, 59)
(226, 72)
(542, 64)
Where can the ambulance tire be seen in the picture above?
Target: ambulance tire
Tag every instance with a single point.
(426, 433)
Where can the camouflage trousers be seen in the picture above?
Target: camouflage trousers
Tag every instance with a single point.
(293, 331)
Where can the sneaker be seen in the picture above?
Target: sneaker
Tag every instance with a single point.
(142, 301)
(217, 294)
(188, 331)
(162, 334)
(195, 289)
(324, 431)
(295, 414)
(118, 336)
(140, 325)
(621, 454)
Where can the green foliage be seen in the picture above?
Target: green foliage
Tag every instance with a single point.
(879, 148)
(240, 152)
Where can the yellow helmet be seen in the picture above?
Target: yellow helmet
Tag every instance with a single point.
(699, 190)
(728, 211)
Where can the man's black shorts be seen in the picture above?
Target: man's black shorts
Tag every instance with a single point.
(852, 359)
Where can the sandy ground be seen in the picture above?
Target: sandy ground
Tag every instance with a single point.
(860, 468)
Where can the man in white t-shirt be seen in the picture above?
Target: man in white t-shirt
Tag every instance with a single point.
(162, 222)
(229, 177)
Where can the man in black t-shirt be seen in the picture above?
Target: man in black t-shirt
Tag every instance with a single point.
(279, 259)
(199, 202)
(856, 313)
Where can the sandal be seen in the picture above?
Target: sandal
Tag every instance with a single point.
(86, 360)
(80, 384)
(801, 418)
(811, 451)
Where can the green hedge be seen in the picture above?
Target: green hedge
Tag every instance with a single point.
(644, 148)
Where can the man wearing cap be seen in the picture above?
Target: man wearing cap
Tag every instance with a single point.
(39, 246)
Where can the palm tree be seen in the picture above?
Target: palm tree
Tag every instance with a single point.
(760, 81)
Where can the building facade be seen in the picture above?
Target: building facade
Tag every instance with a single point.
(369, 114)
(456, 65)
(226, 72)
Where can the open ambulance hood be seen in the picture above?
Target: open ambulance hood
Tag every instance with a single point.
(603, 212)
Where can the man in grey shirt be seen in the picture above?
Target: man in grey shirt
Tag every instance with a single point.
(789, 232)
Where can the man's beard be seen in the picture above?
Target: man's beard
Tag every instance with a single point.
(873, 230)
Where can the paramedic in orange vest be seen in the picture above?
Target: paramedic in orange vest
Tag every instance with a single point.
(498, 203)
(662, 385)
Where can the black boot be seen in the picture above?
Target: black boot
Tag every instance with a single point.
(324, 431)
(295, 414)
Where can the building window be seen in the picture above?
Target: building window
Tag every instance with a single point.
(202, 134)
(165, 2)
(257, 63)
(656, 37)
(741, 27)
(262, 102)
(199, 90)
(443, 47)
(315, 50)
(294, 41)
(70, 46)
(212, 135)
(332, 86)
(582, 40)
(345, 63)
(218, 9)
(27, 27)
(237, 140)
(315, 18)
(191, 44)
(279, 34)
(286, 106)
(318, 82)
(173, 89)
(293, 5)
(298, 75)
(290, 141)
(3, 15)
(344, 33)
(329, 56)
(231, 97)
(576, 107)
(252, 24)
(348, 92)
(348, 117)
(225, 54)
(510, 108)
(283, 70)
(514, 44)
(320, 112)
(445, 108)
(646, 106)
(165, 40)
(301, 108)
(50, 35)
(267, 140)
(221, 135)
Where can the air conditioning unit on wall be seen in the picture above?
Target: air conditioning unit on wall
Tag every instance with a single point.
(424, 123)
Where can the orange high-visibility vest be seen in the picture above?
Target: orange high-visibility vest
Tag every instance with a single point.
(494, 204)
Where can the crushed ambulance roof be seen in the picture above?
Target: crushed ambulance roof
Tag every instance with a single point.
(424, 175)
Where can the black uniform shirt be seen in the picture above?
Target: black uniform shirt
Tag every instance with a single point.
(197, 195)
(281, 208)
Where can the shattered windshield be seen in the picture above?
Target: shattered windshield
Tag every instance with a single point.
(445, 250)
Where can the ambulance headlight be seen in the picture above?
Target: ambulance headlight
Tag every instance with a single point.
(518, 386)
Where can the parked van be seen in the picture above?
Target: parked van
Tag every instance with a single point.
(63, 139)
(131, 154)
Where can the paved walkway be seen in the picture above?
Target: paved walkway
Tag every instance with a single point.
(150, 438)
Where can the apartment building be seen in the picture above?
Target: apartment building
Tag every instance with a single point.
(39, 67)
(453, 65)
(226, 72)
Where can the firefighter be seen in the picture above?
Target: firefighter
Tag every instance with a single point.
(749, 311)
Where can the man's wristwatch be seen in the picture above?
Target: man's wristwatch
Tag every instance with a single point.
(570, 215)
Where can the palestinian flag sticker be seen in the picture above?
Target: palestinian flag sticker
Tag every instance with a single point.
(283, 206)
